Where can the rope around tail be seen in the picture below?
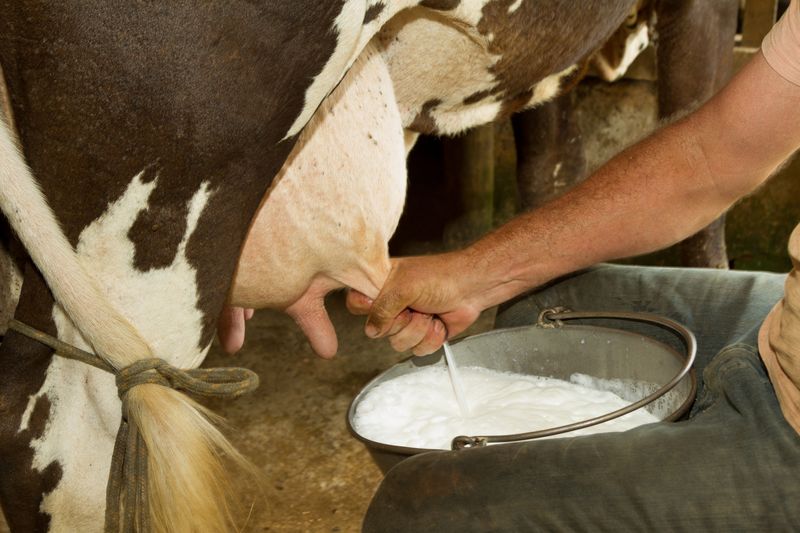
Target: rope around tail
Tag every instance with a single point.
(127, 508)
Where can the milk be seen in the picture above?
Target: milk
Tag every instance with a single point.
(419, 409)
(455, 380)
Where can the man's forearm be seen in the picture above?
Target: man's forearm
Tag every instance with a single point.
(644, 199)
(653, 194)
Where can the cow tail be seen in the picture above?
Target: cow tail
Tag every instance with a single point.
(188, 491)
(189, 482)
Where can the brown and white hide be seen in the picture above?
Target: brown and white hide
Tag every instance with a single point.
(481, 61)
(611, 62)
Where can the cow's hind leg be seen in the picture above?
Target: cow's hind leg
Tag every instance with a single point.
(23, 415)
(10, 274)
(695, 59)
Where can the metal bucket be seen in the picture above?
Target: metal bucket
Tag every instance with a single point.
(551, 349)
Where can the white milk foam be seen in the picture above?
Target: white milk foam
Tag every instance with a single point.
(419, 409)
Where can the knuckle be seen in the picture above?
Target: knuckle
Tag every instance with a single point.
(433, 339)
(386, 308)
(401, 322)
(382, 308)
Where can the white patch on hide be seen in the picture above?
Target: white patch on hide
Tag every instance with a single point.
(431, 58)
(161, 303)
(634, 45)
(612, 69)
(451, 122)
(79, 436)
(469, 12)
(347, 27)
(352, 37)
(85, 409)
(513, 7)
(549, 87)
(441, 52)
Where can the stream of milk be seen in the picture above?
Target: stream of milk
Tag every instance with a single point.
(455, 380)
(420, 409)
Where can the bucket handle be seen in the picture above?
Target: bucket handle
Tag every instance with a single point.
(553, 318)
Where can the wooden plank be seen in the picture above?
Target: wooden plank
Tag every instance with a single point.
(469, 167)
(759, 17)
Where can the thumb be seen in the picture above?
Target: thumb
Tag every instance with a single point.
(313, 320)
(386, 307)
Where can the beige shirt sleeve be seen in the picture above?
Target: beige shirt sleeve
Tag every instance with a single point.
(781, 46)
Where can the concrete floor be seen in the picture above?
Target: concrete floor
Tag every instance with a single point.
(313, 475)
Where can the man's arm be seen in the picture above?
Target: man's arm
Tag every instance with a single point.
(650, 196)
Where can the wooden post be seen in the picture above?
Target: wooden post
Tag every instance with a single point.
(469, 168)
(759, 17)
(550, 151)
(506, 194)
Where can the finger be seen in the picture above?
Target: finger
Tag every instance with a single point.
(384, 310)
(231, 329)
(248, 313)
(401, 321)
(413, 333)
(433, 340)
(358, 303)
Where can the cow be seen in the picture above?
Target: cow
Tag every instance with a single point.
(157, 137)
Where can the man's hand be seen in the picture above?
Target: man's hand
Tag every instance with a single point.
(424, 301)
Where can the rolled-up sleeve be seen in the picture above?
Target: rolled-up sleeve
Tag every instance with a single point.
(781, 46)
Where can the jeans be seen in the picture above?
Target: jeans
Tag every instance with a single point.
(732, 465)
